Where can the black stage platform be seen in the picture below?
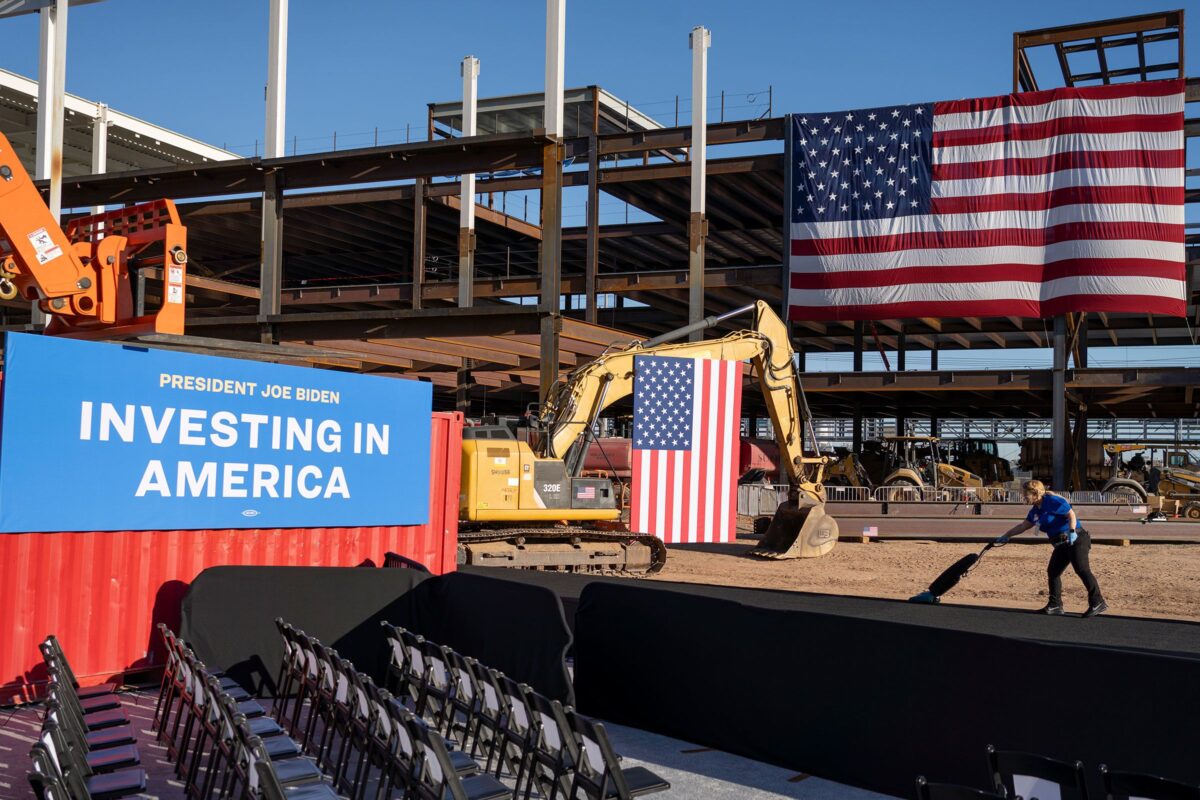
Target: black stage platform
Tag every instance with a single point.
(1111, 630)
(875, 692)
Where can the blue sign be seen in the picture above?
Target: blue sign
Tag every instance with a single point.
(115, 437)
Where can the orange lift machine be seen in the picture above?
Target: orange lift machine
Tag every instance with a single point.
(80, 275)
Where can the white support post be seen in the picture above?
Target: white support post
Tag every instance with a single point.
(276, 79)
(270, 281)
(100, 146)
(52, 64)
(699, 41)
(556, 35)
(466, 212)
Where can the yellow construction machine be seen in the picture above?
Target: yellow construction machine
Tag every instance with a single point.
(916, 463)
(525, 504)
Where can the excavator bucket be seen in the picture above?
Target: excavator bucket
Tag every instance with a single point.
(799, 529)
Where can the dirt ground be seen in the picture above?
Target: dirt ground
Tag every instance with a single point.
(1141, 580)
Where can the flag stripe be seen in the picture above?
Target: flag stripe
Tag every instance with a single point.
(1059, 127)
(1057, 109)
(1032, 273)
(1130, 304)
(999, 237)
(1165, 160)
(1027, 99)
(1105, 250)
(1133, 215)
(1067, 143)
(991, 290)
(1065, 196)
(1092, 177)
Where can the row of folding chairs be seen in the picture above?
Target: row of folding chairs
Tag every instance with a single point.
(510, 726)
(1015, 775)
(373, 744)
(86, 749)
(221, 742)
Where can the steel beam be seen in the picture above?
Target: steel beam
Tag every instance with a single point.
(592, 256)
(466, 209)
(1058, 397)
(552, 159)
(271, 272)
(418, 243)
(699, 41)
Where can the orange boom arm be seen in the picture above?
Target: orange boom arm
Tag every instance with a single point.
(80, 276)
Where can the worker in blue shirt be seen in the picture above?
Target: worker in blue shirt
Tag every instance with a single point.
(1055, 517)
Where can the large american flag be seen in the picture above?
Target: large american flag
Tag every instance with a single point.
(1029, 205)
(687, 417)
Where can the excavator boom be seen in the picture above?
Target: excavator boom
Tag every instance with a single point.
(801, 528)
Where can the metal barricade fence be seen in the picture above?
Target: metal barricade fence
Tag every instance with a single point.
(849, 494)
(759, 499)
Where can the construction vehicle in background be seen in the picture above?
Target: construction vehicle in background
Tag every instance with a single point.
(528, 505)
(916, 464)
(1179, 492)
(979, 457)
(847, 470)
(80, 276)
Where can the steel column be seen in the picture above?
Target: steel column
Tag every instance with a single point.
(552, 156)
(1058, 427)
(462, 393)
(418, 245)
(901, 348)
(466, 210)
(699, 41)
(592, 259)
(270, 301)
(858, 346)
(274, 146)
(100, 146)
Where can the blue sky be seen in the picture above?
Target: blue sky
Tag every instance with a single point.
(199, 67)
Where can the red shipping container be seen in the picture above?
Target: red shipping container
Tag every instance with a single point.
(759, 454)
(613, 455)
(102, 593)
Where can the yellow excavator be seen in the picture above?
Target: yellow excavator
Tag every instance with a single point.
(525, 504)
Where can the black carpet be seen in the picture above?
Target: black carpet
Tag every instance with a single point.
(1110, 630)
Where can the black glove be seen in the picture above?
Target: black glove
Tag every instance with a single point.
(1063, 538)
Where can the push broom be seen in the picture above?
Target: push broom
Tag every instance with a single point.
(952, 575)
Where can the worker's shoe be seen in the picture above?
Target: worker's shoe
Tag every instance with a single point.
(1052, 610)
(1099, 608)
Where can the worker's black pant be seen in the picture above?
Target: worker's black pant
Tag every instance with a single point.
(1077, 556)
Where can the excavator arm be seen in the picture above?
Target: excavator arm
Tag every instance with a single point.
(80, 276)
(801, 527)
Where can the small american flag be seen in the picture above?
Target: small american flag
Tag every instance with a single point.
(686, 429)
(1026, 205)
(586, 493)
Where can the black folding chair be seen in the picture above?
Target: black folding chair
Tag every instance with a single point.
(517, 733)
(70, 749)
(398, 661)
(465, 699)
(115, 736)
(89, 701)
(418, 669)
(1120, 785)
(555, 752)
(92, 720)
(1015, 773)
(264, 780)
(74, 776)
(950, 791)
(492, 712)
(51, 645)
(435, 704)
(598, 772)
(436, 778)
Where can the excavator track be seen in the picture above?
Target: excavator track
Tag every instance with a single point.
(563, 549)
